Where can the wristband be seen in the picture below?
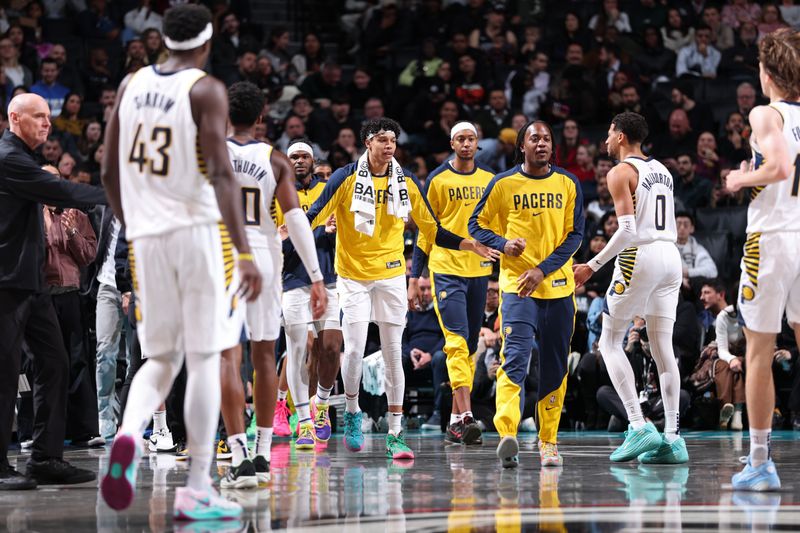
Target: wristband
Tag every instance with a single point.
(246, 257)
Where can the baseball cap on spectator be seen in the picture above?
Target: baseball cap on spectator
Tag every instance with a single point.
(599, 234)
(507, 136)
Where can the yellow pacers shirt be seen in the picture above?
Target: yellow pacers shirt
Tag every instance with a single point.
(453, 196)
(546, 211)
(305, 196)
(364, 258)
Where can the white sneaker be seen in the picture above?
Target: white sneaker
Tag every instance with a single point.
(528, 426)
(736, 421)
(161, 442)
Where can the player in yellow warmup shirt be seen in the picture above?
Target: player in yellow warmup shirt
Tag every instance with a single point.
(539, 210)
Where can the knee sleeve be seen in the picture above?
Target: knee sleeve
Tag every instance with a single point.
(355, 339)
(617, 364)
(391, 339)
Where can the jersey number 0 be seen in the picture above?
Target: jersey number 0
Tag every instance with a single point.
(161, 137)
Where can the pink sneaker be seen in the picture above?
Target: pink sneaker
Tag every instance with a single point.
(280, 425)
(205, 504)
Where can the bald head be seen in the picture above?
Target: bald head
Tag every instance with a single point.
(29, 119)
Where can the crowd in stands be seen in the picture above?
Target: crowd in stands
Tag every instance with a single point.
(690, 67)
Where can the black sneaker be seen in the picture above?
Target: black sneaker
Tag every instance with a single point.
(240, 477)
(454, 433)
(57, 472)
(10, 479)
(262, 469)
(470, 433)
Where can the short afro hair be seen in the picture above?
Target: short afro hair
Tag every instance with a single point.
(633, 125)
(186, 21)
(373, 126)
(246, 103)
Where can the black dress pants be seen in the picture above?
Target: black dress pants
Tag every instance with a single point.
(31, 316)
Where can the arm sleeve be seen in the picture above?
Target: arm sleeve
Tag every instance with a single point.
(704, 265)
(24, 177)
(721, 328)
(427, 223)
(485, 212)
(418, 261)
(422, 247)
(83, 245)
(300, 234)
(619, 241)
(574, 237)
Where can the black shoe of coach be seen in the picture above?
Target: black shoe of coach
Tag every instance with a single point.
(57, 472)
(10, 479)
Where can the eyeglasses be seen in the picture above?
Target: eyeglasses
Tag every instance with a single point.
(492, 291)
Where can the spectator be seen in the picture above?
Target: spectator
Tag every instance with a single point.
(571, 33)
(647, 13)
(608, 224)
(598, 284)
(567, 148)
(700, 117)
(425, 65)
(135, 56)
(430, 21)
(709, 164)
(362, 87)
(301, 107)
(584, 168)
(154, 45)
(294, 129)
(745, 100)
(97, 25)
(609, 64)
(655, 61)
(387, 30)
(610, 16)
(498, 153)
(526, 87)
(266, 79)
(52, 150)
(677, 33)
(712, 297)
(496, 115)
(697, 262)
(470, 86)
(604, 203)
(691, 190)
(142, 18)
(310, 58)
(494, 29)
(245, 68)
(729, 372)
(699, 59)
(91, 136)
(631, 101)
(733, 147)
(68, 75)
(790, 13)
(226, 44)
(323, 170)
(69, 120)
(27, 53)
(325, 124)
(678, 138)
(738, 12)
(98, 74)
(490, 336)
(571, 97)
(71, 246)
(741, 60)
(438, 133)
(721, 34)
(49, 88)
(424, 360)
(66, 165)
(532, 40)
(16, 73)
(322, 86)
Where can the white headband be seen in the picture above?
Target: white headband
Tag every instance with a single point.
(299, 147)
(194, 42)
(382, 132)
(461, 126)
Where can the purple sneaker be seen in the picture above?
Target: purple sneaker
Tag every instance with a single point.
(305, 437)
(119, 484)
(322, 423)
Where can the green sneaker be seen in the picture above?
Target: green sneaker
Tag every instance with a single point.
(251, 429)
(293, 418)
(396, 447)
(637, 442)
(673, 453)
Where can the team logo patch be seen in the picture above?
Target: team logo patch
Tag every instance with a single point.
(442, 295)
(560, 282)
(748, 293)
(507, 330)
(619, 287)
(552, 399)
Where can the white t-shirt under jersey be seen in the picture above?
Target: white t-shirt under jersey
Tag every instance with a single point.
(163, 179)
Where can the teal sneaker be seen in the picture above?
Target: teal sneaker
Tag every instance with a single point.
(396, 447)
(757, 478)
(353, 438)
(252, 430)
(205, 504)
(667, 453)
(637, 442)
(119, 484)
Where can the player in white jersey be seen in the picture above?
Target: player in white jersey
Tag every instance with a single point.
(646, 281)
(265, 175)
(169, 180)
(770, 282)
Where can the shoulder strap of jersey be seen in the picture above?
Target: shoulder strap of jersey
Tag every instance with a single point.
(193, 76)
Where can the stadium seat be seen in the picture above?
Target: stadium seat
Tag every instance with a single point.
(718, 245)
(724, 219)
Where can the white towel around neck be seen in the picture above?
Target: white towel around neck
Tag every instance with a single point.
(363, 201)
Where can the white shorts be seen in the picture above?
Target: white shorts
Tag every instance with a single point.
(264, 314)
(646, 281)
(770, 282)
(383, 300)
(297, 309)
(186, 282)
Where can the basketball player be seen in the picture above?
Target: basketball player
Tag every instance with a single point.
(458, 279)
(537, 209)
(264, 175)
(169, 181)
(372, 199)
(647, 278)
(770, 282)
(297, 315)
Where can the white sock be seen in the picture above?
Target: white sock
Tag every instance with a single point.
(351, 404)
(282, 395)
(263, 442)
(159, 421)
(455, 418)
(759, 446)
(395, 423)
(303, 413)
(323, 394)
(635, 416)
(238, 446)
(671, 426)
